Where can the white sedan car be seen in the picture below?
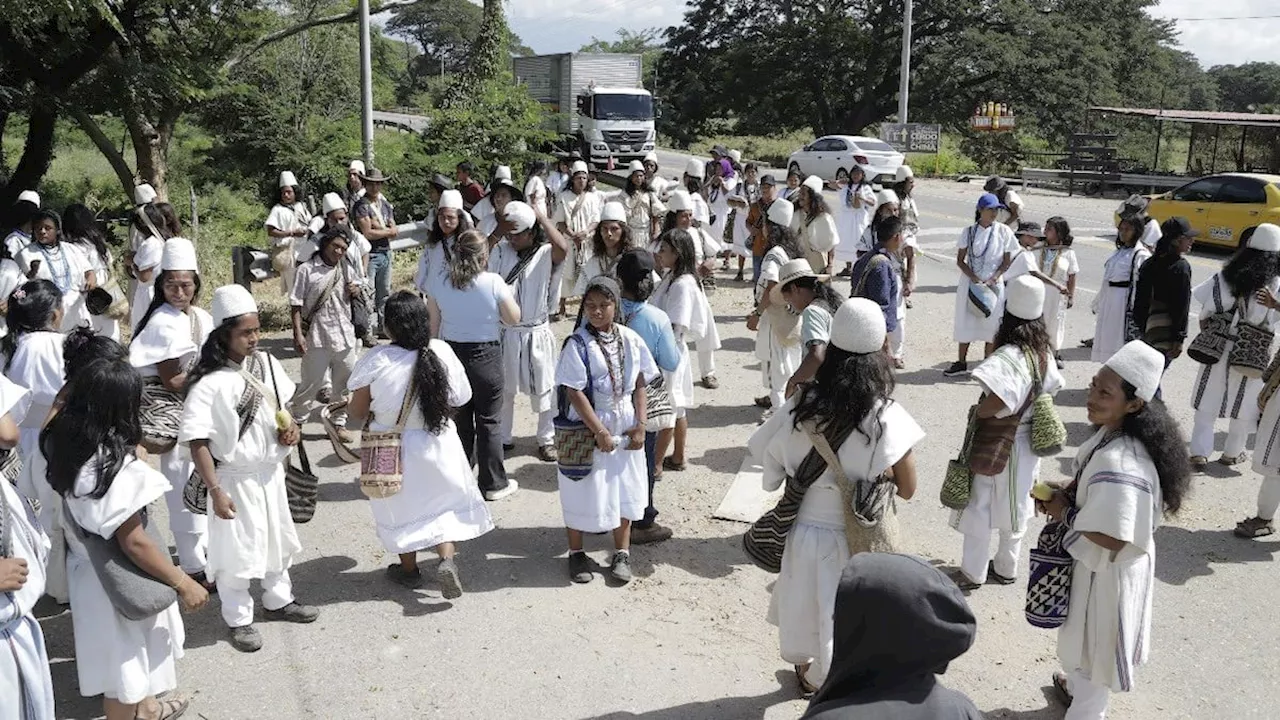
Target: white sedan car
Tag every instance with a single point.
(832, 156)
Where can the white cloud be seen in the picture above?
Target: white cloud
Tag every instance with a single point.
(1226, 42)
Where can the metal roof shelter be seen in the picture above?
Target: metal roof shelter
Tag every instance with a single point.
(1204, 117)
(1264, 155)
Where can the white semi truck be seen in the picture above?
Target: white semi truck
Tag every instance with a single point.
(600, 108)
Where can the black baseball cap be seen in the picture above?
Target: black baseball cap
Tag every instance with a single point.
(768, 180)
(1030, 228)
(1178, 226)
(635, 265)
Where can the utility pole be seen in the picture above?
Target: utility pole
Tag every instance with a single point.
(904, 83)
(366, 85)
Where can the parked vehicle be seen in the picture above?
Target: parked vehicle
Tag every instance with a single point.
(597, 103)
(1221, 206)
(833, 156)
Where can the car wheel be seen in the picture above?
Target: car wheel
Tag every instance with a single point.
(794, 168)
(842, 174)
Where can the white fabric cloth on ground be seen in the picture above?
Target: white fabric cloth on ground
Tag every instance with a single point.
(986, 248)
(1113, 303)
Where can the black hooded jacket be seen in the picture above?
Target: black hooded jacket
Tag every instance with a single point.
(898, 623)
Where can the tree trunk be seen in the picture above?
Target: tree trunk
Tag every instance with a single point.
(108, 149)
(36, 154)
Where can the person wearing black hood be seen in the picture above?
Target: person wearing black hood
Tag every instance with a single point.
(883, 598)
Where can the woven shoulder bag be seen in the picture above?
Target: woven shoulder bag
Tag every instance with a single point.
(575, 443)
(381, 465)
(957, 484)
(1048, 433)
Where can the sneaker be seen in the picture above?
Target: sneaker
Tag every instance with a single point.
(620, 568)
(508, 447)
(398, 575)
(654, 533)
(246, 639)
(447, 576)
(547, 453)
(847, 272)
(294, 613)
(508, 491)
(1058, 359)
(580, 567)
(957, 368)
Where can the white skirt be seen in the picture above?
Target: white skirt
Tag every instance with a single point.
(617, 486)
(804, 597)
(971, 327)
(261, 538)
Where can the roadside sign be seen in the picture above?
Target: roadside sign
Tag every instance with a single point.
(912, 137)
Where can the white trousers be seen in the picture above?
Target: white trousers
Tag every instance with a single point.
(977, 553)
(190, 531)
(317, 363)
(546, 428)
(1088, 700)
(1202, 432)
(237, 603)
(1269, 497)
(706, 360)
(898, 340)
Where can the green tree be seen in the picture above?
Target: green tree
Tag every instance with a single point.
(1252, 87)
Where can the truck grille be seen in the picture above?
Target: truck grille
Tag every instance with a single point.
(625, 136)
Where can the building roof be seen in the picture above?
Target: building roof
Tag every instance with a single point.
(1205, 117)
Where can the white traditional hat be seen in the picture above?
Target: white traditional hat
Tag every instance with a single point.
(331, 202)
(520, 215)
(1024, 297)
(1266, 238)
(781, 212)
(179, 254)
(885, 197)
(450, 199)
(578, 167)
(1141, 366)
(651, 157)
(814, 183)
(143, 194)
(287, 179)
(149, 253)
(858, 326)
(502, 172)
(231, 301)
(356, 166)
(793, 270)
(613, 211)
(903, 173)
(695, 168)
(735, 155)
(30, 196)
(680, 201)
(635, 166)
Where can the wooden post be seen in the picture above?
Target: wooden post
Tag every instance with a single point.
(1213, 161)
(1244, 135)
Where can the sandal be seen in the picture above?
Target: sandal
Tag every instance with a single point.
(806, 689)
(672, 465)
(169, 709)
(1060, 688)
(1199, 463)
(1254, 527)
(764, 402)
(1233, 461)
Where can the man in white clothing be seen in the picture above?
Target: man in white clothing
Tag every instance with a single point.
(577, 214)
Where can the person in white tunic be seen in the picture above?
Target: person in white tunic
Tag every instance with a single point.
(740, 200)
(602, 373)
(439, 504)
(909, 211)
(1021, 366)
(1113, 303)
(146, 265)
(66, 264)
(558, 180)
(18, 221)
(682, 214)
(680, 297)
(776, 324)
(165, 346)
(238, 437)
(501, 191)
(107, 492)
(850, 404)
(81, 228)
(1266, 460)
(535, 187)
(33, 360)
(1247, 286)
(613, 236)
(857, 203)
(1011, 208)
(26, 689)
(718, 190)
(658, 184)
(576, 216)
(450, 221)
(643, 211)
(1059, 264)
(814, 225)
(986, 249)
(526, 260)
(287, 222)
(1133, 471)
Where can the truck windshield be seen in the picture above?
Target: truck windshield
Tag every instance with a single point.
(623, 107)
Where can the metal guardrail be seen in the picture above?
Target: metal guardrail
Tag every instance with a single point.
(1045, 177)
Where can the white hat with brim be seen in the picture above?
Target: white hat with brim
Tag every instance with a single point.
(578, 168)
(781, 212)
(680, 201)
(450, 199)
(287, 179)
(613, 212)
(695, 168)
(635, 166)
(1266, 237)
(356, 166)
(143, 194)
(885, 197)
(179, 255)
(1024, 298)
(331, 202)
(231, 301)
(793, 270)
(903, 173)
(520, 215)
(858, 327)
(30, 196)
(814, 183)
(1141, 366)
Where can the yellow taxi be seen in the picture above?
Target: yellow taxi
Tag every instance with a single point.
(1221, 206)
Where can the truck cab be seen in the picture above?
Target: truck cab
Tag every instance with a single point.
(615, 122)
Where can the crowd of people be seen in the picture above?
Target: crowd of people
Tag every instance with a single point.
(432, 376)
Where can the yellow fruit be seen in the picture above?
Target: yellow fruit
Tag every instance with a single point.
(284, 420)
(1042, 492)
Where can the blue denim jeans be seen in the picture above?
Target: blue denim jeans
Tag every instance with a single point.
(757, 261)
(650, 449)
(380, 269)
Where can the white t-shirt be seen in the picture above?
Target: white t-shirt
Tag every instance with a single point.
(470, 315)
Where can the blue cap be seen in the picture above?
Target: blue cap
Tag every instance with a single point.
(989, 200)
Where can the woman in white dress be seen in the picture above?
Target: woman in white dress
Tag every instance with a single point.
(909, 211)
(439, 504)
(1114, 302)
(238, 437)
(814, 225)
(288, 221)
(613, 236)
(1021, 365)
(83, 230)
(849, 403)
(740, 200)
(857, 203)
(66, 264)
(577, 212)
(1247, 286)
(642, 208)
(718, 190)
(682, 214)
(986, 249)
(777, 326)
(536, 193)
(679, 296)
(603, 370)
(163, 349)
(1059, 264)
(1131, 473)
(107, 490)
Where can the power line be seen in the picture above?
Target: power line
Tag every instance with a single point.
(1238, 17)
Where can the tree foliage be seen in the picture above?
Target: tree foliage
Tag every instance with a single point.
(1252, 87)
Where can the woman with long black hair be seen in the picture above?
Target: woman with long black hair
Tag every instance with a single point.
(82, 228)
(450, 222)
(814, 225)
(643, 210)
(1113, 304)
(66, 264)
(1131, 473)
(816, 300)
(848, 407)
(776, 325)
(438, 505)
(679, 296)
(682, 214)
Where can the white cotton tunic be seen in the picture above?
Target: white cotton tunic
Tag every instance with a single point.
(1003, 502)
(578, 214)
(817, 236)
(528, 348)
(778, 362)
(535, 193)
(817, 549)
(11, 278)
(144, 293)
(1108, 629)
(682, 300)
(986, 250)
(1057, 264)
(169, 336)
(64, 265)
(439, 501)
(1114, 302)
(261, 538)
(641, 209)
(718, 206)
(852, 222)
(288, 219)
(126, 660)
(742, 233)
(618, 485)
(1224, 388)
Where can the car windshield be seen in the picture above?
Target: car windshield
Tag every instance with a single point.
(875, 146)
(623, 107)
